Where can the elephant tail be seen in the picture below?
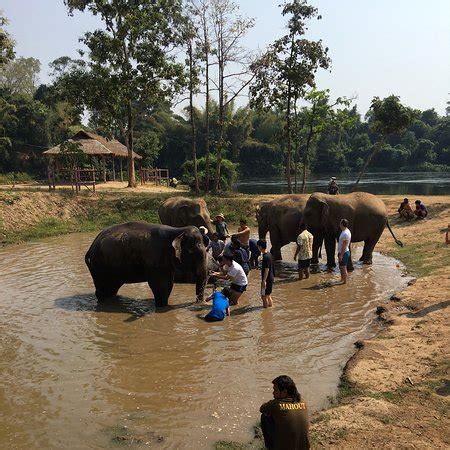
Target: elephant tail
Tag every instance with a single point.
(397, 241)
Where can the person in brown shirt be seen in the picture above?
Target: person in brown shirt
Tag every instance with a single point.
(284, 420)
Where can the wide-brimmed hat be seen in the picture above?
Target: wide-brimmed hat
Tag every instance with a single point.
(204, 230)
(333, 178)
(221, 216)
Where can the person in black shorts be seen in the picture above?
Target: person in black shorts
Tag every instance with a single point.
(267, 274)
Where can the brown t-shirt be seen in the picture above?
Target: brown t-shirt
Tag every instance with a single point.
(291, 423)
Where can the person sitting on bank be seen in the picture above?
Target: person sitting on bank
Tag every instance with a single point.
(344, 249)
(220, 305)
(216, 246)
(333, 188)
(234, 272)
(240, 255)
(304, 252)
(405, 211)
(267, 274)
(421, 210)
(221, 227)
(284, 420)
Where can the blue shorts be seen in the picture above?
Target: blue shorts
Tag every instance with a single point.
(237, 288)
(345, 258)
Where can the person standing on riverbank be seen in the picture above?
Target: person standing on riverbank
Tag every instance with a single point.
(303, 251)
(267, 274)
(284, 420)
(344, 249)
(333, 188)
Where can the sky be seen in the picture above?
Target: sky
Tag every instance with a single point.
(377, 47)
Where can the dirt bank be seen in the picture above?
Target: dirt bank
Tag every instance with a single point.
(394, 391)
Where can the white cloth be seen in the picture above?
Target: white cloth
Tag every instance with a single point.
(345, 236)
(237, 274)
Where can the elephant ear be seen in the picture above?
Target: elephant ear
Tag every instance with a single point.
(324, 214)
(176, 244)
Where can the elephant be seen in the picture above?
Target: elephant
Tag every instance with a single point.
(366, 215)
(182, 211)
(280, 217)
(135, 252)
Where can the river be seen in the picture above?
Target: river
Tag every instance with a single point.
(376, 183)
(78, 374)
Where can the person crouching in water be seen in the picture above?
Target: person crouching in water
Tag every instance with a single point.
(234, 272)
(220, 305)
(284, 420)
(240, 255)
(267, 274)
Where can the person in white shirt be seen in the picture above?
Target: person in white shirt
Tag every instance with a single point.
(344, 249)
(235, 273)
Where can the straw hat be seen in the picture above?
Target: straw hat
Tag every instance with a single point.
(204, 230)
(221, 216)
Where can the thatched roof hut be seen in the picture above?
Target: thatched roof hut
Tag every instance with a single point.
(113, 145)
(90, 147)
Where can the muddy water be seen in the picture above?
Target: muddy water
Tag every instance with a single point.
(75, 374)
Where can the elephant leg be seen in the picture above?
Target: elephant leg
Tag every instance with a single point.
(317, 243)
(275, 250)
(104, 288)
(350, 267)
(330, 247)
(369, 245)
(161, 289)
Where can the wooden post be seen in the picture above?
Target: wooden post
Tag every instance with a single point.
(113, 169)
(93, 180)
(121, 172)
(104, 169)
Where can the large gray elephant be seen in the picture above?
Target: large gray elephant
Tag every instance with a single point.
(182, 212)
(280, 217)
(366, 214)
(135, 252)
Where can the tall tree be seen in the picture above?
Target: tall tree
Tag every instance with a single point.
(287, 69)
(132, 63)
(233, 64)
(388, 116)
(20, 76)
(6, 43)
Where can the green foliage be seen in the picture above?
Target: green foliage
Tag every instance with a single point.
(149, 147)
(6, 43)
(228, 173)
(389, 115)
(20, 76)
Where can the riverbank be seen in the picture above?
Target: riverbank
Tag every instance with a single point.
(394, 391)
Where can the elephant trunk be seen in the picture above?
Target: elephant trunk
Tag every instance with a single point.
(200, 286)
(262, 230)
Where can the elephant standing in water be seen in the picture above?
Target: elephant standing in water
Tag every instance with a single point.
(135, 252)
(182, 211)
(366, 215)
(281, 217)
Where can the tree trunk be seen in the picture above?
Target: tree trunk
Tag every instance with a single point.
(206, 42)
(295, 166)
(221, 113)
(376, 149)
(289, 143)
(308, 143)
(129, 141)
(191, 115)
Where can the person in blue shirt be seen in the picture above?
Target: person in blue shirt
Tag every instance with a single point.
(220, 306)
(254, 253)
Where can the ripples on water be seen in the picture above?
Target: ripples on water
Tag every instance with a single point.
(74, 372)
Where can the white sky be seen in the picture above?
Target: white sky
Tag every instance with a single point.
(378, 47)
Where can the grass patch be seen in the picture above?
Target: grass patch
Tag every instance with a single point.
(19, 177)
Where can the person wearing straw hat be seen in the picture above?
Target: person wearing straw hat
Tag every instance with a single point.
(333, 188)
(221, 227)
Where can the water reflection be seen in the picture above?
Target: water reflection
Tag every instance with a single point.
(406, 183)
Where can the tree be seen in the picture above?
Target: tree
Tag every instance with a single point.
(132, 65)
(287, 69)
(228, 30)
(6, 43)
(20, 76)
(388, 116)
(148, 146)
